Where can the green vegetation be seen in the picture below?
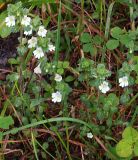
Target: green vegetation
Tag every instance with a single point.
(68, 89)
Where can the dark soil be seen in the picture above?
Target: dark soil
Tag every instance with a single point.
(8, 49)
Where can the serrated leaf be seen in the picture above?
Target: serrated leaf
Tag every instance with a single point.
(112, 44)
(86, 38)
(5, 122)
(124, 149)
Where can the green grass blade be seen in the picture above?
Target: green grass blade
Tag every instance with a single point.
(108, 21)
(34, 146)
(58, 35)
(59, 119)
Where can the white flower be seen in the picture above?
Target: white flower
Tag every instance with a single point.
(104, 87)
(32, 42)
(90, 135)
(51, 47)
(37, 70)
(38, 53)
(42, 31)
(123, 82)
(29, 32)
(10, 21)
(26, 21)
(58, 77)
(56, 97)
(53, 66)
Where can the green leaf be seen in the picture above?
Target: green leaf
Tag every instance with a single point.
(12, 77)
(60, 71)
(98, 40)
(36, 102)
(1, 136)
(86, 38)
(4, 30)
(36, 21)
(88, 47)
(124, 149)
(69, 79)
(125, 39)
(112, 44)
(130, 134)
(65, 64)
(116, 32)
(5, 122)
(13, 61)
(136, 148)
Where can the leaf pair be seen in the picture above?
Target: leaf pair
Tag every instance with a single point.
(129, 144)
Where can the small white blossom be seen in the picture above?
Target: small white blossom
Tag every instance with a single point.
(42, 31)
(32, 42)
(104, 87)
(58, 77)
(53, 66)
(123, 82)
(51, 47)
(90, 135)
(26, 21)
(56, 97)
(131, 50)
(37, 70)
(29, 32)
(38, 53)
(10, 21)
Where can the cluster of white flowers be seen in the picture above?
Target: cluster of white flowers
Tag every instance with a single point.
(28, 30)
(104, 86)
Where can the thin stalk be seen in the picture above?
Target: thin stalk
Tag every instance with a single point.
(132, 100)
(134, 115)
(34, 146)
(131, 15)
(58, 35)
(64, 145)
(45, 150)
